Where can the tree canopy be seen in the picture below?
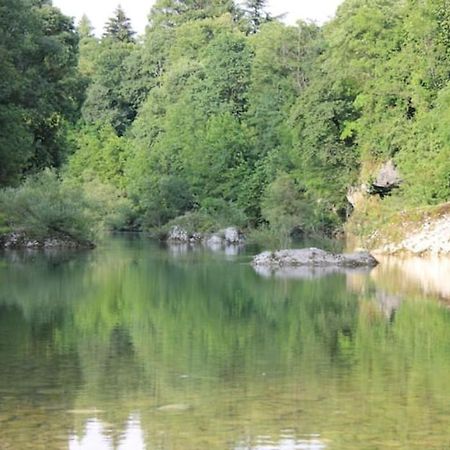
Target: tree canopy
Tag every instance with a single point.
(220, 107)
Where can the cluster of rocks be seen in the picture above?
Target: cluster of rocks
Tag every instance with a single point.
(19, 240)
(226, 237)
(313, 257)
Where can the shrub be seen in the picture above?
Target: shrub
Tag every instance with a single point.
(43, 206)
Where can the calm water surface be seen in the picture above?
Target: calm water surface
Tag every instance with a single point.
(134, 346)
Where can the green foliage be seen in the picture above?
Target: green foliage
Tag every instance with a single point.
(165, 198)
(40, 89)
(110, 100)
(425, 160)
(109, 208)
(100, 154)
(172, 13)
(43, 206)
(88, 48)
(287, 208)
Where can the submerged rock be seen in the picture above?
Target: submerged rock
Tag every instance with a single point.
(176, 407)
(313, 257)
(85, 412)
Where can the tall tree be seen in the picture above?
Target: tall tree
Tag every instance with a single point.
(108, 99)
(115, 91)
(85, 28)
(255, 11)
(119, 27)
(89, 46)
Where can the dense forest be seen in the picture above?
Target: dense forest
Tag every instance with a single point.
(221, 114)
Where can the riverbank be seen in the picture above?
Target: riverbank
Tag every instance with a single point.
(20, 240)
(419, 232)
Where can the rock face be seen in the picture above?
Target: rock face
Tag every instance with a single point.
(313, 257)
(17, 240)
(178, 234)
(433, 238)
(387, 179)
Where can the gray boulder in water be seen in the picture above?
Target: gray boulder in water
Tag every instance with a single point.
(178, 234)
(313, 257)
(232, 235)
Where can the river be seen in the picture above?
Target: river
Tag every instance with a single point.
(136, 346)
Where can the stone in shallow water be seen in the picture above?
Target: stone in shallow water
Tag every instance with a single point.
(232, 235)
(85, 411)
(178, 234)
(176, 407)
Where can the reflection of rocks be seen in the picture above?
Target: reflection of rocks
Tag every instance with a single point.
(233, 250)
(388, 303)
(306, 272)
(414, 275)
(313, 257)
(178, 248)
(214, 242)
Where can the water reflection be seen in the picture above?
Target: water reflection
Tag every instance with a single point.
(307, 272)
(414, 275)
(134, 346)
(287, 441)
(178, 249)
(98, 436)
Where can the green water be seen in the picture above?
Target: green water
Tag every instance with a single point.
(133, 346)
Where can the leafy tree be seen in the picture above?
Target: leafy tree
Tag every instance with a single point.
(99, 154)
(280, 72)
(88, 47)
(287, 208)
(46, 207)
(109, 98)
(40, 88)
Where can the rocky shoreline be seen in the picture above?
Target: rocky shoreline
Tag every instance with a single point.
(226, 237)
(19, 240)
(431, 237)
